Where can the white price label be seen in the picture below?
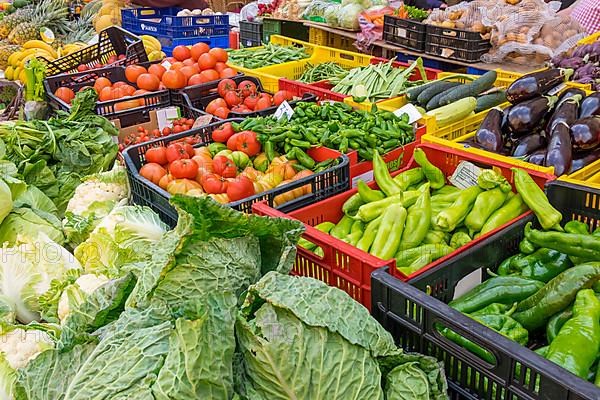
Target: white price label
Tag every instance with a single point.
(465, 175)
(447, 53)
(401, 32)
(165, 117)
(413, 114)
(284, 109)
(557, 89)
(166, 64)
(366, 177)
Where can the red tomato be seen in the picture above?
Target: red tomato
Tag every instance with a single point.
(65, 94)
(188, 147)
(207, 61)
(183, 168)
(153, 172)
(156, 155)
(214, 104)
(221, 112)
(240, 188)
(148, 82)
(188, 71)
(226, 85)
(175, 151)
(262, 103)
(210, 75)
(266, 96)
(195, 79)
(224, 167)
(220, 66)
(166, 131)
(223, 133)
(165, 180)
(157, 69)
(228, 73)
(101, 83)
(174, 79)
(198, 49)
(245, 141)
(182, 186)
(251, 101)
(132, 72)
(213, 183)
(282, 96)
(181, 53)
(247, 88)
(232, 98)
(219, 54)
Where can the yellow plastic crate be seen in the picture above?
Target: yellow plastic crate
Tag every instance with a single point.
(317, 36)
(271, 82)
(590, 39)
(454, 135)
(515, 75)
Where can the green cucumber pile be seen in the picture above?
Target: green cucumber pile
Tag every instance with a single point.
(450, 101)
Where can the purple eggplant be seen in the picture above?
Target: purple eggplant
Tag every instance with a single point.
(566, 111)
(573, 62)
(526, 116)
(581, 160)
(472, 143)
(536, 84)
(528, 144)
(590, 105)
(538, 157)
(570, 92)
(559, 152)
(585, 133)
(489, 134)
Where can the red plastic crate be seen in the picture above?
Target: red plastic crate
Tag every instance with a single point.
(349, 268)
(320, 89)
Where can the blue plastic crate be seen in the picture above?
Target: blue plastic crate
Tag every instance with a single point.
(165, 22)
(169, 44)
(428, 63)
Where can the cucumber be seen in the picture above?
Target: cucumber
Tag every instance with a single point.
(488, 101)
(473, 89)
(454, 112)
(435, 100)
(434, 89)
(414, 92)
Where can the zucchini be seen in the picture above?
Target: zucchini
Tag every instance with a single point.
(434, 89)
(454, 112)
(414, 92)
(435, 100)
(488, 101)
(473, 89)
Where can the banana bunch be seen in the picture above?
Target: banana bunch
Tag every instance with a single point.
(153, 48)
(70, 48)
(16, 62)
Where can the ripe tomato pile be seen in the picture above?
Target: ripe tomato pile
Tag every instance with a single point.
(243, 98)
(195, 65)
(111, 60)
(226, 172)
(143, 135)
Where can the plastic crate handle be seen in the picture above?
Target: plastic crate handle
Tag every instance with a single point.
(449, 33)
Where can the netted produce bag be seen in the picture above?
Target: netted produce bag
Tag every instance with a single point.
(291, 9)
(315, 10)
(11, 94)
(467, 16)
(531, 33)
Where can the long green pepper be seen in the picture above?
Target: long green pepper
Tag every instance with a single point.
(389, 234)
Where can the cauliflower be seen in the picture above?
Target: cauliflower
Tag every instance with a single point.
(20, 346)
(93, 200)
(75, 294)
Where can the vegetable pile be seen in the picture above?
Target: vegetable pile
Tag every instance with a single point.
(269, 54)
(334, 125)
(584, 60)
(561, 132)
(243, 98)
(415, 218)
(545, 296)
(230, 169)
(321, 72)
(55, 155)
(410, 12)
(167, 323)
(377, 81)
(450, 101)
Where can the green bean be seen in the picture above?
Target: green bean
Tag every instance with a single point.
(269, 54)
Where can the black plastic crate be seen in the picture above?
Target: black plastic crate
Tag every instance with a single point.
(410, 314)
(455, 44)
(198, 97)
(250, 33)
(112, 41)
(323, 184)
(291, 29)
(404, 32)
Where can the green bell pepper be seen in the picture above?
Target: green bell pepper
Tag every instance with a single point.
(459, 239)
(526, 247)
(389, 234)
(556, 295)
(448, 219)
(582, 246)
(417, 221)
(497, 289)
(543, 265)
(556, 322)
(506, 326)
(577, 227)
(576, 346)
(485, 205)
